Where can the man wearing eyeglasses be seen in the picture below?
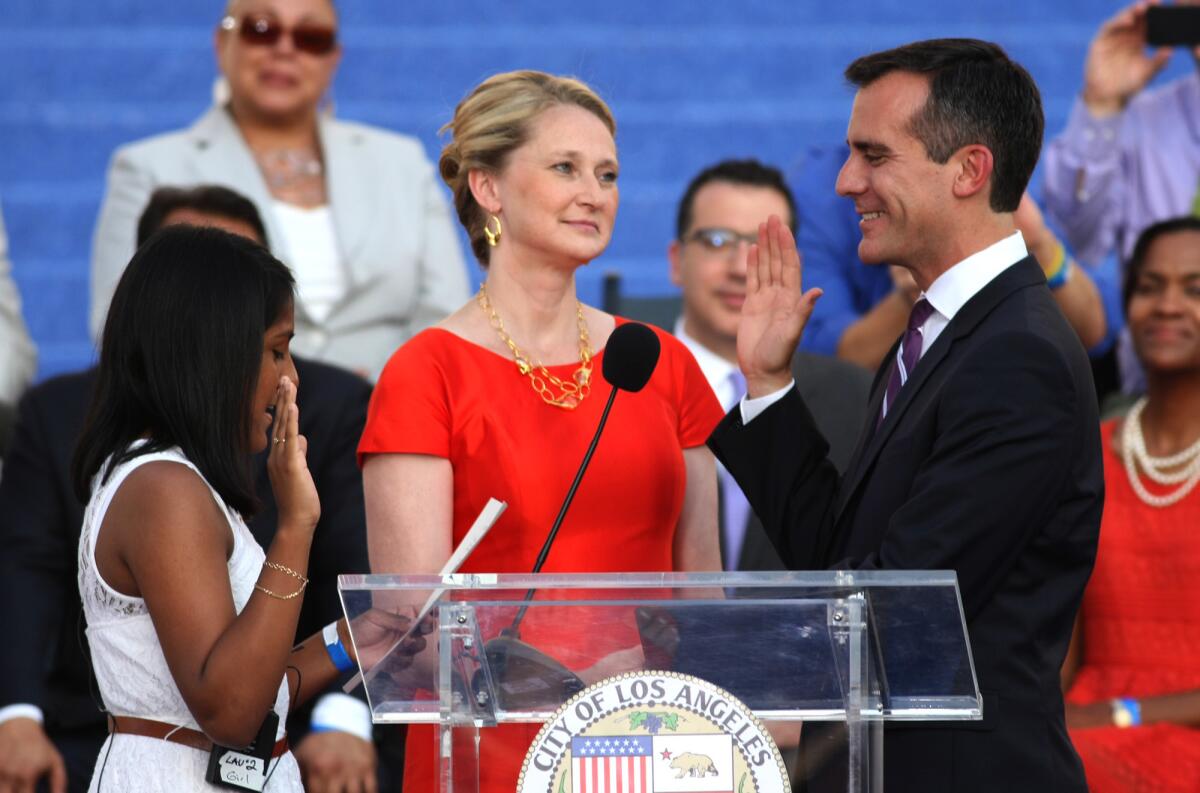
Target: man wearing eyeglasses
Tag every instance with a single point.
(717, 221)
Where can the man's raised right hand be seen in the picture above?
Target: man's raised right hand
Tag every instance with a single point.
(775, 311)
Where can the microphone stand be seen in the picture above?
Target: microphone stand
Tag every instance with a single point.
(562, 512)
(511, 659)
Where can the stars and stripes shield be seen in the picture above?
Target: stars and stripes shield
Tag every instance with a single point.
(652, 764)
(611, 764)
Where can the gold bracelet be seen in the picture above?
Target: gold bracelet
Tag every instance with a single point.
(278, 596)
(283, 569)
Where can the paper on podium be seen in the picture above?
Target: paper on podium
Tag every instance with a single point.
(487, 518)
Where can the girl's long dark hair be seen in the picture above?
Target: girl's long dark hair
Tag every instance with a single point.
(180, 358)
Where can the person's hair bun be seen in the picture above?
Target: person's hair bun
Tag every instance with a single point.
(449, 164)
(492, 121)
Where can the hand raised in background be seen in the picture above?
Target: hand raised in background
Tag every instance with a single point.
(1117, 66)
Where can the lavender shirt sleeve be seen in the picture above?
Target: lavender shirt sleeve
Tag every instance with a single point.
(1084, 180)
(1107, 179)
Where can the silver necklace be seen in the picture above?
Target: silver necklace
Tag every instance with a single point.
(288, 168)
(1135, 456)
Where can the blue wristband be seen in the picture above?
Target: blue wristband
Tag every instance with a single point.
(1134, 708)
(1061, 276)
(337, 650)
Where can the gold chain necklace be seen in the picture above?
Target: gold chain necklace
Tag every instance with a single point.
(569, 394)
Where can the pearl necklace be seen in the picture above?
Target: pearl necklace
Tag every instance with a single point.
(1135, 456)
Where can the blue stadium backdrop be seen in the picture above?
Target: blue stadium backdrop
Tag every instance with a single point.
(690, 81)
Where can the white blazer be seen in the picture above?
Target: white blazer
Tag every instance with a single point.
(19, 359)
(403, 264)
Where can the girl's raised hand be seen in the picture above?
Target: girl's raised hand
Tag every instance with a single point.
(287, 464)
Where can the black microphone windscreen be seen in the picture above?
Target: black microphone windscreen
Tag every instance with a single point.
(630, 356)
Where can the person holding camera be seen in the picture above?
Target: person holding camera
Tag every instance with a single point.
(1129, 157)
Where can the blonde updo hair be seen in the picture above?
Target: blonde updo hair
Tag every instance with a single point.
(491, 122)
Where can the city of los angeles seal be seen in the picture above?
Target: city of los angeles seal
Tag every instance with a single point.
(653, 732)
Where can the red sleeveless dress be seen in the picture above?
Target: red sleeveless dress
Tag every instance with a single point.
(442, 395)
(1141, 636)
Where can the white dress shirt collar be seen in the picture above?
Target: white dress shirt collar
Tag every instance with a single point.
(716, 369)
(951, 290)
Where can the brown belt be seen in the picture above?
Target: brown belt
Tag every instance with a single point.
(148, 728)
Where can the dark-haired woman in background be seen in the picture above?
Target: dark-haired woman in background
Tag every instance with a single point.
(190, 624)
(502, 398)
(1132, 675)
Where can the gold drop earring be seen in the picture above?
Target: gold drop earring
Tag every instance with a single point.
(493, 237)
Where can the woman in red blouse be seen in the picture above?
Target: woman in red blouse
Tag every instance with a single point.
(1132, 675)
(502, 397)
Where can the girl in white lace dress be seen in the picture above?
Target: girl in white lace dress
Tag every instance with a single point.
(190, 623)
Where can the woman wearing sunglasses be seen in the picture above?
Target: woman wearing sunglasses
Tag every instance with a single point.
(355, 211)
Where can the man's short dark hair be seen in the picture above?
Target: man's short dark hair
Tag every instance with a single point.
(977, 95)
(1142, 247)
(209, 199)
(751, 173)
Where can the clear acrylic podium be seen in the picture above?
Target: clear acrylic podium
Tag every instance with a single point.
(859, 647)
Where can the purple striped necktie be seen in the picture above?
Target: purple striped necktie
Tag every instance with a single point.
(910, 353)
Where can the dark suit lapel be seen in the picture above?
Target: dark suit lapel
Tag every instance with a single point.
(857, 465)
(1024, 273)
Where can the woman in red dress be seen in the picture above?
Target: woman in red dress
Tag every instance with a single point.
(497, 400)
(1132, 675)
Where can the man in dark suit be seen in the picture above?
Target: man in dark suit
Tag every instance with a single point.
(47, 675)
(981, 453)
(717, 218)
